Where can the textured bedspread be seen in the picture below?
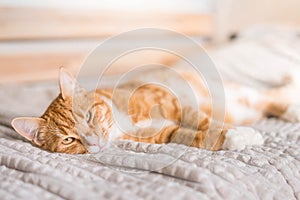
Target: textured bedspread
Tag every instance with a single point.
(143, 171)
(147, 171)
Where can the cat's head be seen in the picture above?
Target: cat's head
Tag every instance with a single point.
(75, 122)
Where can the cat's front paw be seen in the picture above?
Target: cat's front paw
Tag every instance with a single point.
(292, 114)
(238, 138)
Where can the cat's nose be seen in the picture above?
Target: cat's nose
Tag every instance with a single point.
(94, 149)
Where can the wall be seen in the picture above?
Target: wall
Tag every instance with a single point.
(37, 37)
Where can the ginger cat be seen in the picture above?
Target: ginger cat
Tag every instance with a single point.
(78, 121)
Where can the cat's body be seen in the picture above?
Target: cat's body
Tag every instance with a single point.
(78, 121)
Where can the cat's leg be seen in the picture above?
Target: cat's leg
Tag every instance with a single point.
(282, 110)
(246, 105)
(284, 101)
(217, 135)
(192, 134)
(226, 138)
(179, 135)
(194, 119)
(292, 113)
(165, 131)
(215, 138)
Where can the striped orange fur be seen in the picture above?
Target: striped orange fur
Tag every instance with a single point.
(78, 121)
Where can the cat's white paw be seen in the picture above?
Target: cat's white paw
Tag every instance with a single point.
(239, 137)
(292, 114)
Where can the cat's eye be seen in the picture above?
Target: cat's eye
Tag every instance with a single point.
(88, 116)
(68, 140)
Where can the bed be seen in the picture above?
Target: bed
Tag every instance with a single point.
(130, 170)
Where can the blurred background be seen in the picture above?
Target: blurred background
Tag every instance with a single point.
(37, 37)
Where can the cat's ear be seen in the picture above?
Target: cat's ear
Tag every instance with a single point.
(67, 83)
(28, 127)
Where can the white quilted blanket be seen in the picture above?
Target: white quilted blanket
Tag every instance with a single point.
(147, 171)
(143, 171)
